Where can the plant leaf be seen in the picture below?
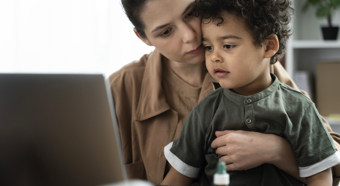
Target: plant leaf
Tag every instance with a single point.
(305, 6)
(334, 3)
(309, 3)
(322, 11)
(314, 2)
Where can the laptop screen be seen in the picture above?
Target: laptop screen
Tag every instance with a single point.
(58, 129)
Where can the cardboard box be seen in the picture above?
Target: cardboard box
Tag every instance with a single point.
(328, 88)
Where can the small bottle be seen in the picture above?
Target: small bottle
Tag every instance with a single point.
(221, 177)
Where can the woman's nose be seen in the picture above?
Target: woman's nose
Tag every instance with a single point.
(189, 34)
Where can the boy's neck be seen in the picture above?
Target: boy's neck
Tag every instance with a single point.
(261, 84)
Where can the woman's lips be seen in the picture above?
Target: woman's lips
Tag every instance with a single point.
(196, 51)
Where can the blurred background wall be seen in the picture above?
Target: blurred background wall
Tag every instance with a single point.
(67, 36)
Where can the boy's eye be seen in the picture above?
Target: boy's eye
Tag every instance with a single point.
(166, 33)
(228, 46)
(190, 14)
(208, 48)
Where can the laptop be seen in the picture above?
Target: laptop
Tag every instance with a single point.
(58, 129)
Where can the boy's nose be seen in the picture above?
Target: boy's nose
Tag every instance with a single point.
(216, 57)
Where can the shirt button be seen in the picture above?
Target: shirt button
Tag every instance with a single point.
(249, 100)
(248, 120)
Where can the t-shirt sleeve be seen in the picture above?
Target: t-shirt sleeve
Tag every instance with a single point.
(186, 154)
(312, 143)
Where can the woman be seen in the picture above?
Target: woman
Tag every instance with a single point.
(154, 96)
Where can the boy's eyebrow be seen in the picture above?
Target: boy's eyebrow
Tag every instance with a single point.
(229, 37)
(225, 37)
(165, 25)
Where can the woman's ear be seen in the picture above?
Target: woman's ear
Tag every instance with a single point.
(144, 39)
(272, 45)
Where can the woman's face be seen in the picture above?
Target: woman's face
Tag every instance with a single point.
(173, 30)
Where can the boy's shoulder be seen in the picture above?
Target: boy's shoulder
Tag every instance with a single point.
(293, 96)
(216, 94)
(211, 100)
(292, 91)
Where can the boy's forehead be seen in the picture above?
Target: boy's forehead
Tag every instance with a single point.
(223, 19)
(231, 27)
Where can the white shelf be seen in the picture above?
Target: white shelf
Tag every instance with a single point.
(305, 48)
(317, 44)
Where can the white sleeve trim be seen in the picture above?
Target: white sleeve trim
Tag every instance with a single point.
(178, 164)
(326, 163)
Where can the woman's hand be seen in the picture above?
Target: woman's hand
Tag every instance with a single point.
(244, 150)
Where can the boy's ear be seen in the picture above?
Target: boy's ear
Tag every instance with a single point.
(144, 39)
(272, 45)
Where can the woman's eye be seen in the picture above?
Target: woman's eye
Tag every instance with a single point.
(166, 33)
(228, 46)
(208, 48)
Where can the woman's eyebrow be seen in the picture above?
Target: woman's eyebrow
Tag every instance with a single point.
(167, 24)
(160, 27)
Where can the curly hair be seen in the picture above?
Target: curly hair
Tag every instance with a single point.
(262, 18)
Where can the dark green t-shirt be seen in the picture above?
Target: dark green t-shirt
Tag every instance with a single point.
(278, 110)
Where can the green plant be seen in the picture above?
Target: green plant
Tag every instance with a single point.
(324, 8)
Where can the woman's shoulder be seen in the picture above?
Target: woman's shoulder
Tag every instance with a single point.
(134, 66)
(132, 72)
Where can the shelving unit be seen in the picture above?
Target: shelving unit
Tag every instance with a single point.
(306, 48)
(317, 44)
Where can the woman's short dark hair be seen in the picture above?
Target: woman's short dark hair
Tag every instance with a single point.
(262, 17)
(133, 9)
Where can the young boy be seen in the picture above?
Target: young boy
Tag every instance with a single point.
(242, 38)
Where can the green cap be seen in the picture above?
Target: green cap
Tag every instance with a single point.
(221, 168)
(221, 177)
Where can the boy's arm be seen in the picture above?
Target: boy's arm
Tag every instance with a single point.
(322, 178)
(176, 178)
(283, 76)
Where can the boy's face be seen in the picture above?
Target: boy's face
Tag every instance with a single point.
(232, 57)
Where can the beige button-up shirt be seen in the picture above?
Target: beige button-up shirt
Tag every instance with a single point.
(146, 121)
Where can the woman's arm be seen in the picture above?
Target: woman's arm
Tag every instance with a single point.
(245, 150)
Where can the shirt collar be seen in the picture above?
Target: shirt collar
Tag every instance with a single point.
(152, 100)
(253, 98)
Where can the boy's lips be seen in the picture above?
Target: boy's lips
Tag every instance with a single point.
(220, 73)
(196, 51)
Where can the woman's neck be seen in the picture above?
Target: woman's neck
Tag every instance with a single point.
(193, 74)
